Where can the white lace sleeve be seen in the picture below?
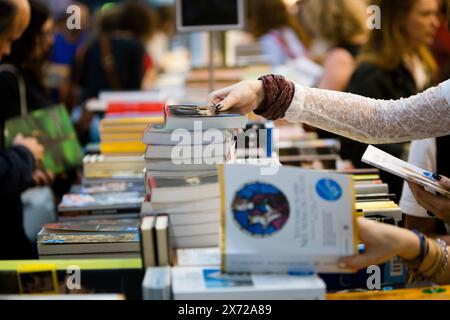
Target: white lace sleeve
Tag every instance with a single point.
(374, 121)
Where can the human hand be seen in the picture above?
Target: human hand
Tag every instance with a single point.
(244, 97)
(382, 242)
(31, 144)
(438, 205)
(43, 178)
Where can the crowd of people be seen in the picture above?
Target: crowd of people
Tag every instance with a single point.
(385, 86)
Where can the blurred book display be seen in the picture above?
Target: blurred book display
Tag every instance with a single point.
(97, 276)
(54, 130)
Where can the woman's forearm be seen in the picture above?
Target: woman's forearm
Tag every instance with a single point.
(374, 121)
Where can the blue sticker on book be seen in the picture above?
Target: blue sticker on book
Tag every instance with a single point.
(260, 209)
(329, 190)
(215, 279)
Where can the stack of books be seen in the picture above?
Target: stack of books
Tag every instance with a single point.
(122, 135)
(310, 154)
(181, 174)
(95, 239)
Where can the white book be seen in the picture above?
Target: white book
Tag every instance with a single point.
(200, 241)
(194, 229)
(402, 169)
(295, 220)
(157, 284)
(208, 283)
(170, 190)
(371, 188)
(168, 165)
(211, 204)
(217, 152)
(159, 135)
(163, 240)
(148, 241)
(195, 218)
(131, 96)
(198, 257)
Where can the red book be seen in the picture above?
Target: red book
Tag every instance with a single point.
(118, 108)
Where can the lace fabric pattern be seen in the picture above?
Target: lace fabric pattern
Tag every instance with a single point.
(372, 121)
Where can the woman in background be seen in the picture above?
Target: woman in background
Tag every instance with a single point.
(17, 163)
(28, 57)
(396, 63)
(281, 37)
(114, 60)
(341, 26)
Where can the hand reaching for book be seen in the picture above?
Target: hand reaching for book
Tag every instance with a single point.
(31, 144)
(382, 242)
(438, 205)
(244, 97)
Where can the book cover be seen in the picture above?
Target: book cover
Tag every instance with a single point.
(79, 202)
(403, 169)
(53, 129)
(209, 283)
(295, 220)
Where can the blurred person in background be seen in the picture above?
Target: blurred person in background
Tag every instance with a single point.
(17, 164)
(159, 44)
(66, 44)
(396, 63)
(115, 59)
(341, 26)
(281, 37)
(431, 154)
(441, 47)
(29, 55)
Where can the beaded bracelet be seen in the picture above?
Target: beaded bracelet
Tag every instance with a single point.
(444, 259)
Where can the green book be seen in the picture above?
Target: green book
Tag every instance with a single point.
(53, 128)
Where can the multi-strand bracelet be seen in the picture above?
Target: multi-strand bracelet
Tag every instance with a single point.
(432, 261)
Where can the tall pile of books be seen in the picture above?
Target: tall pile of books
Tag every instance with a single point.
(181, 177)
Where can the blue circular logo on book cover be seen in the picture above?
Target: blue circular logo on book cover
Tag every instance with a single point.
(329, 190)
(260, 209)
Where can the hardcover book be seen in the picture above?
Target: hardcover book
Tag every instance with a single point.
(53, 129)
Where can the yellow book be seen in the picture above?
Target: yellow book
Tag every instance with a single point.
(131, 121)
(365, 177)
(429, 293)
(125, 136)
(376, 205)
(122, 148)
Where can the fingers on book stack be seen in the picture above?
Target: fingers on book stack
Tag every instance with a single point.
(181, 177)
